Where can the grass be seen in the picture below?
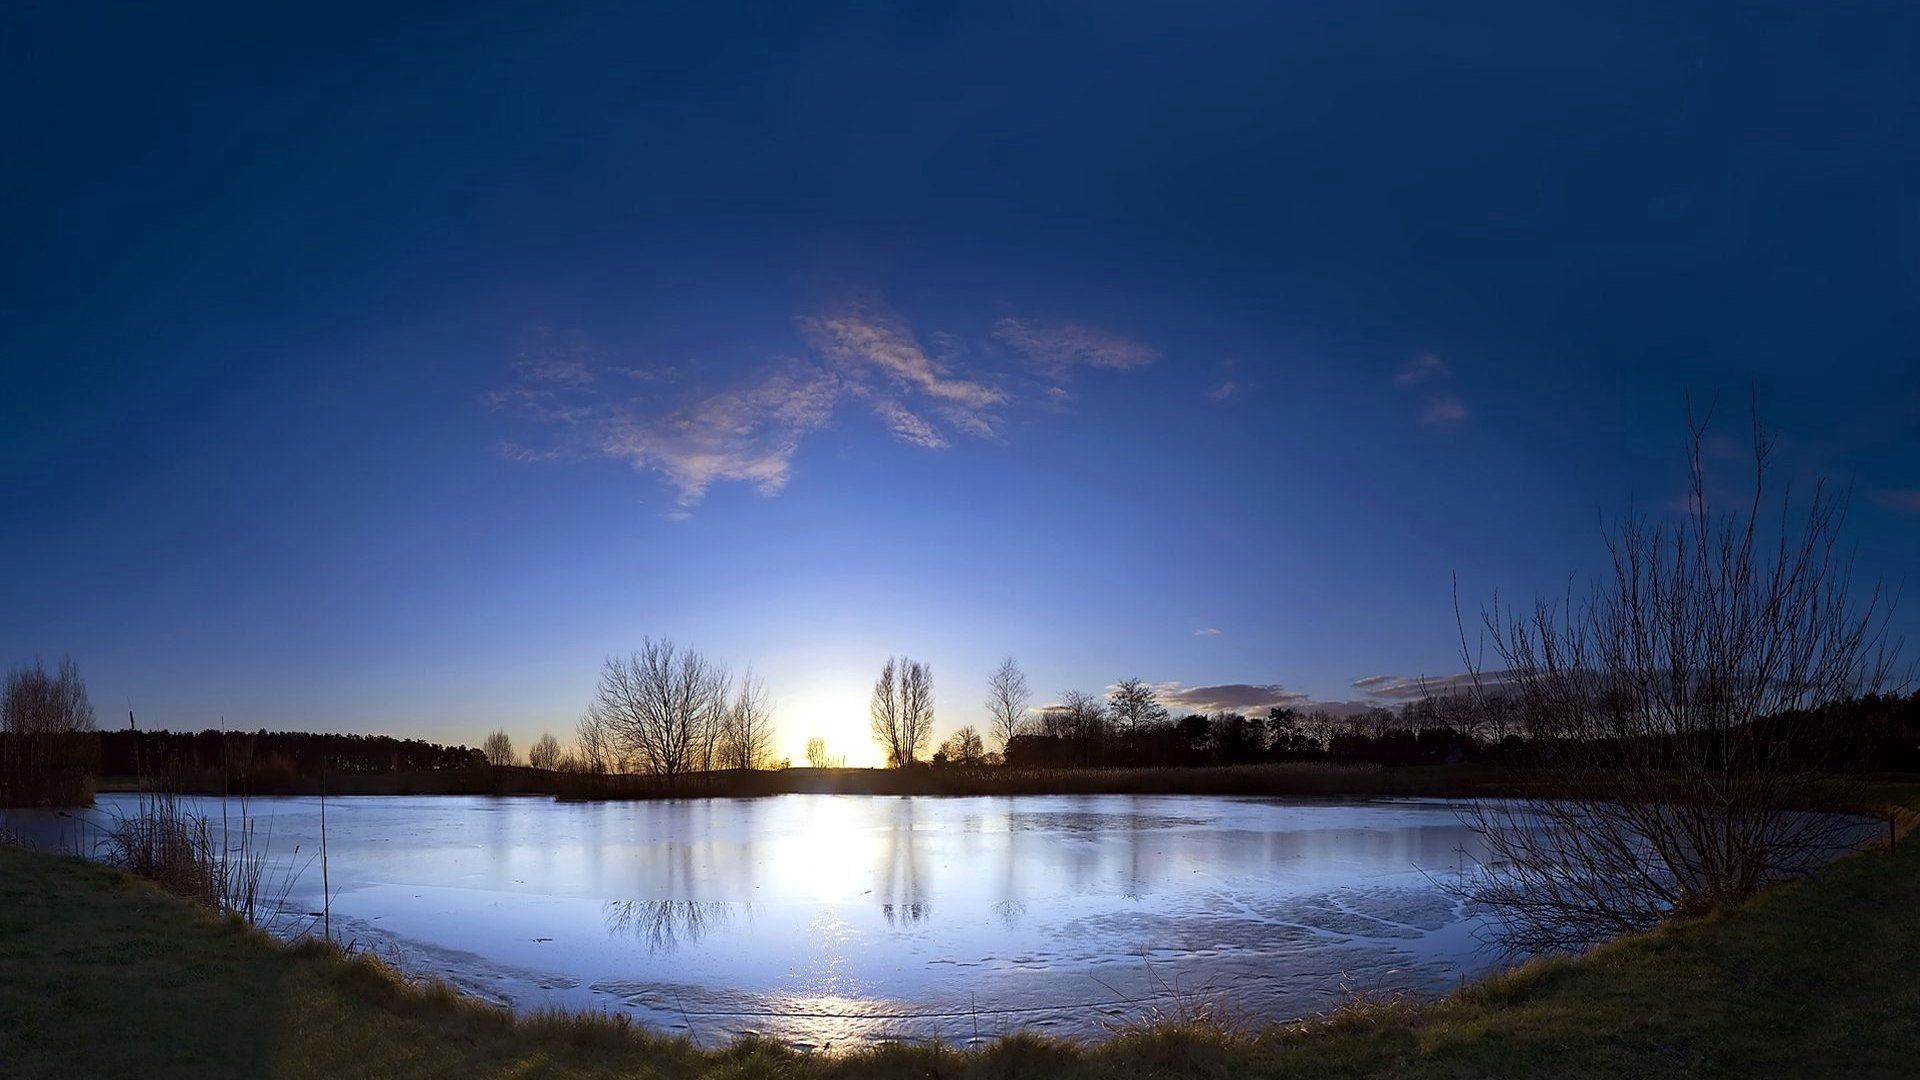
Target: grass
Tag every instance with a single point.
(102, 975)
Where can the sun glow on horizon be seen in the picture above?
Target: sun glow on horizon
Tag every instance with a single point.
(834, 709)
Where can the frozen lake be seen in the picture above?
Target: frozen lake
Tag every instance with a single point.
(823, 919)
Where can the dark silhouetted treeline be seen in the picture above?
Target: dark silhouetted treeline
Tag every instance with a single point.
(1876, 733)
(269, 761)
(1417, 735)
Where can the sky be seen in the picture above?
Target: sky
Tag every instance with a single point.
(386, 368)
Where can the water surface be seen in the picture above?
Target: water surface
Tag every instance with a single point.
(828, 919)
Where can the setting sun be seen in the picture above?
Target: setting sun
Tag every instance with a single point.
(834, 708)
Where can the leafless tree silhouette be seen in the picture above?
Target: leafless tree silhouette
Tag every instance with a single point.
(545, 753)
(964, 747)
(662, 707)
(1007, 701)
(819, 758)
(499, 748)
(1133, 706)
(746, 733)
(1080, 719)
(1682, 697)
(902, 710)
(597, 753)
(47, 746)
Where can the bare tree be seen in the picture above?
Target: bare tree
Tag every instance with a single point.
(746, 733)
(499, 749)
(545, 753)
(1133, 706)
(964, 747)
(1080, 720)
(662, 707)
(596, 744)
(47, 749)
(1676, 712)
(1007, 700)
(819, 758)
(901, 710)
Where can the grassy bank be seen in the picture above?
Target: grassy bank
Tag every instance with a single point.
(102, 975)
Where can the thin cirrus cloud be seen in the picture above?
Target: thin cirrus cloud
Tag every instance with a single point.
(862, 352)
(1227, 697)
(1415, 687)
(1425, 368)
(1055, 349)
(1428, 375)
(1901, 502)
(1207, 631)
(1444, 411)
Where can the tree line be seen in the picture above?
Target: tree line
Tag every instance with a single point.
(670, 713)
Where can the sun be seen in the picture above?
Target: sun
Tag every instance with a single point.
(833, 711)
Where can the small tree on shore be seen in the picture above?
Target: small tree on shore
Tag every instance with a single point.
(1133, 706)
(499, 748)
(1676, 714)
(1007, 701)
(746, 734)
(545, 753)
(818, 756)
(595, 742)
(48, 748)
(963, 747)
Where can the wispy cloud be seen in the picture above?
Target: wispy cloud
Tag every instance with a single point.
(1227, 697)
(1429, 375)
(1054, 349)
(1444, 411)
(867, 334)
(1207, 631)
(1425, 368)
(555, 371)
(907, 426)
(1902, 502)
(747, 434)
(861, 352)
(1415, 687)
(1222, 392)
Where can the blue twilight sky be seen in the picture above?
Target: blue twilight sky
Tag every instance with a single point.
(382, 370)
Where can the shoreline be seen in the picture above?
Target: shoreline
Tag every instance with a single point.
(1276, 779)
(102, 974)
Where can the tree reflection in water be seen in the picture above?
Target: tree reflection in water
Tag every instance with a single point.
(1011, 912)
(665, 925)
(903, 873)
(906, 914)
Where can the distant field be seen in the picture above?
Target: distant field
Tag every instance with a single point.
(102, 975)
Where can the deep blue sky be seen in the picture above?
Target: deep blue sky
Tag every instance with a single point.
(384, 371)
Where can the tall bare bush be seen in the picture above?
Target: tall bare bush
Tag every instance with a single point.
(48, 748)
(1681, 701)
